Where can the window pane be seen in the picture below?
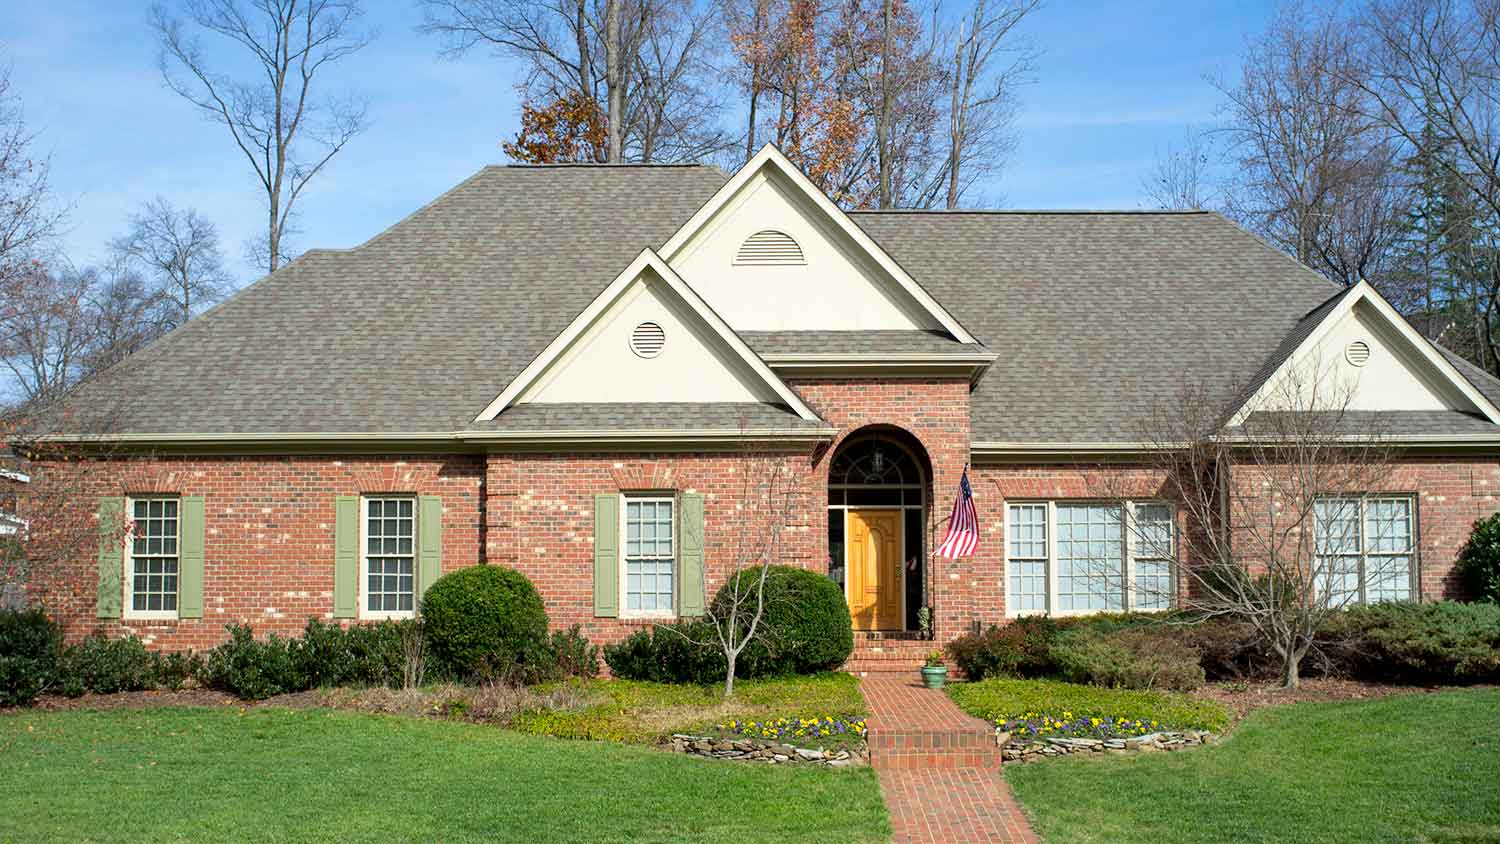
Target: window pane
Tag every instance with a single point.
(1027, 531)
(389, 560)
(1089, 559)
(152, 563)
(649, 557)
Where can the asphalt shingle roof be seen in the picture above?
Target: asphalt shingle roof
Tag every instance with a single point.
(1095, 317)
(1100, 317)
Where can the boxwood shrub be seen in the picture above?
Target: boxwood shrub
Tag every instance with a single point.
(805, 628)
(29, 647)
(1443, 642)
(486, 622)
(1479, 560)
(668, 653)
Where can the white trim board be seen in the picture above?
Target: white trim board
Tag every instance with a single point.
(769, 157)
(647, 260)
(1419, 347)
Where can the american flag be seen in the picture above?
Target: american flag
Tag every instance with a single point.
(963, 525)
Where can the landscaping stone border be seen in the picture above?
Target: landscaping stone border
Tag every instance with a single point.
(776, 753)
(1033, 749)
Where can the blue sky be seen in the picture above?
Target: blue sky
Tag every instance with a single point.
(1116, 82)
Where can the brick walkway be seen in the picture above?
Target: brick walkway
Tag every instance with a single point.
(939, 768)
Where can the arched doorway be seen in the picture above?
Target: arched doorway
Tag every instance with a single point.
(877, 519)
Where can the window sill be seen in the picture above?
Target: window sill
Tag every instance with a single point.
(640, 620)
(386, 616)
(150, 618)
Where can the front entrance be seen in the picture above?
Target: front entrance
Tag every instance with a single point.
(877, 506)
(875, 569)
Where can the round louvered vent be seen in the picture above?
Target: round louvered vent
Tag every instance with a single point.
(1357, 353)
(647, 339)
(769, 248)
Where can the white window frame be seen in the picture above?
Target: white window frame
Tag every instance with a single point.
(364, 557)
(1414, 560)
(624, 573)
(127, 605)
(1127, 552)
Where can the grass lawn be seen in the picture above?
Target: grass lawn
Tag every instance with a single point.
(285, 776)
(996, 699)
(1407, 768)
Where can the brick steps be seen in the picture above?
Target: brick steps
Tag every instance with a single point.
(913, 728)
(888, 653)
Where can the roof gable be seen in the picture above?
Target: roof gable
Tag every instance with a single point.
(770, 238)
(592, 360)
(1358, 348)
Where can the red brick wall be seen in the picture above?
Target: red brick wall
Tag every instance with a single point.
(269, 525)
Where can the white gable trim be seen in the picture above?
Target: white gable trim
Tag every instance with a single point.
(1364, 292)
(648, 259)
(770, 156)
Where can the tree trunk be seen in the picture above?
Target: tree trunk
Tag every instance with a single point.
(883, 123)
(615, 82)
(729, 676)
(956, 117)
(585, 62)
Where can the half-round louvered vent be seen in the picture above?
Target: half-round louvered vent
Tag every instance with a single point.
(769, 248)
(1357, 353)
(647, 339)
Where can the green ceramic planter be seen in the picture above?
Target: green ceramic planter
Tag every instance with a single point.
(934, 676)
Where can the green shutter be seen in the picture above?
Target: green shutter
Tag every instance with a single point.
(190, 571)
(606, 555)
(111, 556)
(430, 542)
(346, 557)
(690, 558)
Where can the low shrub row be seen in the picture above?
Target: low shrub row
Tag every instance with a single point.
(1442, 642)
(482, 623)
(805, 629)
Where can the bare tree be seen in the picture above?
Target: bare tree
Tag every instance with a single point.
(1270, 508)
(45, 331)
(770, 494)
(1315, 173)
(1435, 82)
(28, 221)
(180, 249)
(989, 63)
(125, 314)
(1179, 179)
(277, 116)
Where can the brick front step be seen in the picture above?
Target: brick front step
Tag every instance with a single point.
(915, 728)
(885, 653)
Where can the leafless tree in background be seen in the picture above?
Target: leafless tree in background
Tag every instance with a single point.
(125, 314)
(45, 332)
(1269, 509)
(989, 63)
(28, 220)
(1435, 79)
(179, 249)
(1315, 175)
(1180, 179)
(277, 115)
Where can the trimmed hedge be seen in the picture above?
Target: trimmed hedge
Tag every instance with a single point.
(1445, 642)
(485, 622)
(805, 629)
(1479, 560)
(1131, 658)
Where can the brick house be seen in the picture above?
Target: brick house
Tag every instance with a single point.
(557, 369)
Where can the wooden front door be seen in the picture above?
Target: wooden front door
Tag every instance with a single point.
(874, 569)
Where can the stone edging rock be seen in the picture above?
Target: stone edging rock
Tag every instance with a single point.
(1031, 749)
(753, 750)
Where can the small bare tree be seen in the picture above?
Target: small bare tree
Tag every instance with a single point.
(1270, 508)
(28, 219)
(1179, 179)
(989, 63)
(276, 116)
(771, 488)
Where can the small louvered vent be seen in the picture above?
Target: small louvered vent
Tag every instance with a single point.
(647, 339)
(1357, 353)
(769, 248)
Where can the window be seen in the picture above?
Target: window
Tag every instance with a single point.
(153, 558)
(650, 556)
(390, 557)
(1365, 548)
(1076, 557)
